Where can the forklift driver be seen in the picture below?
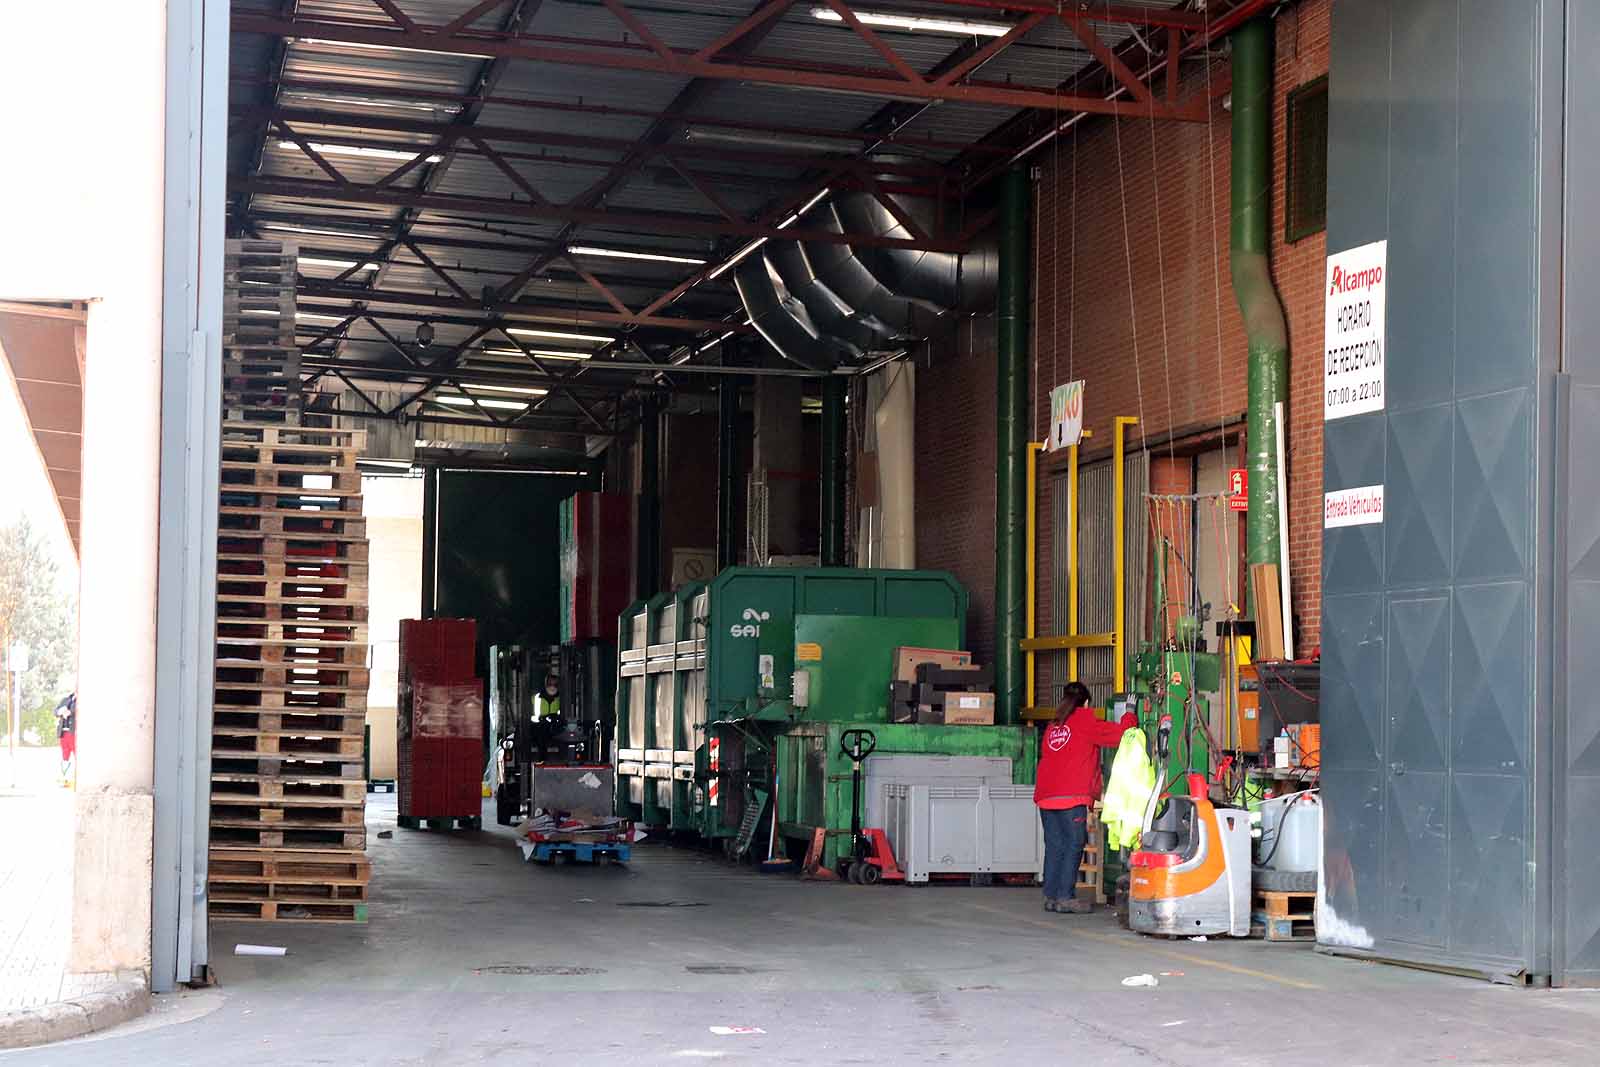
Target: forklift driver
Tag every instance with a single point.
(1068, 783)
(547, 704)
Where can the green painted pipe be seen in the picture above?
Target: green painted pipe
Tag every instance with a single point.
(833, 471)
(727, 471)
(647, 514)
(1250, 242)
(1011, 424)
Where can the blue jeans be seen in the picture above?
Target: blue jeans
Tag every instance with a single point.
(1066, 831)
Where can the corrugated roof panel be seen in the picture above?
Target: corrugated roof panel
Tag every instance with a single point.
(477, 176)
(679, 28)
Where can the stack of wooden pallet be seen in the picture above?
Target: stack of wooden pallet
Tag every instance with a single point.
(288, 798)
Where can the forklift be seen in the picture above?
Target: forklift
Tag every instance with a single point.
(580, 732)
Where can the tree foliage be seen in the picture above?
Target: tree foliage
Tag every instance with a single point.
(35, 611)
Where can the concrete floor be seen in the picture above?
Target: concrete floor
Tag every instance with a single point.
(472, 956)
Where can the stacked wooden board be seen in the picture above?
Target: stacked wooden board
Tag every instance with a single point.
(288, 797)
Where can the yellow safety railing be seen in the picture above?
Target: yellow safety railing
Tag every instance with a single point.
(1072, 640)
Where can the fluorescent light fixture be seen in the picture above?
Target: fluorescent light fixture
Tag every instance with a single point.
(547, 353)
(336, 264)
(299, 316)
(367, 101)
(558, 335)
(619, 253)
(388, 48)
(737, 256)
(785, 142)
(293, 228)
(682, 359)
(324, 148)
(714, 343)
(484, 402)
(521, 390)
(918, 23)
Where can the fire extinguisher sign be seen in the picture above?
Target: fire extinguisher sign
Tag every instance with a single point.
(1353, 349)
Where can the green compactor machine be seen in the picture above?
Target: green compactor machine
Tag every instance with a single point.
(736, 690)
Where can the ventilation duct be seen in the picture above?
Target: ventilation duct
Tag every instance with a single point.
(822, 304)
(780, 318)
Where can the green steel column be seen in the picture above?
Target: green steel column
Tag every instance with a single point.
(1011, 424)
(647, 565)
(833, 471)
(1267, 375)
(727, 471)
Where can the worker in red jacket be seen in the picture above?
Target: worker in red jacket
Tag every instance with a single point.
(1068, 783)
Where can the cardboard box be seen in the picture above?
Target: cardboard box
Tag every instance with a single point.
(969, 709)
(970, 676)
(906, 658)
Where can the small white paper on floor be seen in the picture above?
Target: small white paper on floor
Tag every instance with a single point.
(1137, 980)
(730, 1031)
(259, 950)
(1199, 937)
(1175, 1022)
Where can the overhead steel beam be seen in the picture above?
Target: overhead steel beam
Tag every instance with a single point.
(362, 90)
(518, 313)
(674, 150)
(399, 372)
(638, 221)
(447, 140)
(684, 63)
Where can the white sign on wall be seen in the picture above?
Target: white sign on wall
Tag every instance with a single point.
(1360, 506)
(1353, 337)
(1066, 415)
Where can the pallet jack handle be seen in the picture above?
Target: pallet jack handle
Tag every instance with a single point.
(857, 745)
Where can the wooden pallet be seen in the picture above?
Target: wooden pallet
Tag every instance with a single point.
(233, 652)
(291, 720)
(293, 437)
(229, 810)
(288, 698)
(245, 910)
(328, 867)
(234, 630)
(1091, 872)
(271, 521)
(297, 676)
(281, 766)
(268, 835)
(313, 546)
(286, 791)
(231, 743)
(285, 565)
(245, 475)
(321, 593)
(1278, 916)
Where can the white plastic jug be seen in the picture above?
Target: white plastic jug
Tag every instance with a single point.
(1291, 831)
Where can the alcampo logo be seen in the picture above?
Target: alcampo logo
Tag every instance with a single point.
(1354, 281)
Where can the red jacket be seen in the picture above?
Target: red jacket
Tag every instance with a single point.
(1069, 757)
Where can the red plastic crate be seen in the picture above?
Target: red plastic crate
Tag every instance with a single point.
(441, 777)
(438, 650)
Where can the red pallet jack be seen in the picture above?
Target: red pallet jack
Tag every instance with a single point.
(871, 859)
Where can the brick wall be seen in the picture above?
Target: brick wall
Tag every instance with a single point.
(955, 406)
(1179, 363)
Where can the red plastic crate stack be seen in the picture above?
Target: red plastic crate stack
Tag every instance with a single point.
(441, 720)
